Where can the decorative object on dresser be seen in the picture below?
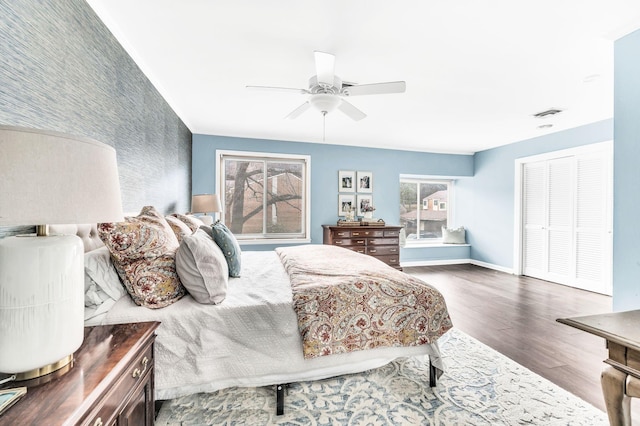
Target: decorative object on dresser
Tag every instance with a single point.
(111, 382)
(205, 203)
(381, 242)
(48, 178)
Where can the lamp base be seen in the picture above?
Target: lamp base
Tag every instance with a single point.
(41, 302)
(43, 371)
(206, 219)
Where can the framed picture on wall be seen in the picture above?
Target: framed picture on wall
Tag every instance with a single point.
(365, 203)
(346, 204)
(346, 181)
(365, 182)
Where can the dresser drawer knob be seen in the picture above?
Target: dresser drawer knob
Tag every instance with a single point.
(355, 234)
(373, 251)
(98, 422)
(360, 241)
(393, 250)
(136, 373)
(339, 243)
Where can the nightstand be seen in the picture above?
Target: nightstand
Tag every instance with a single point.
(111, 382)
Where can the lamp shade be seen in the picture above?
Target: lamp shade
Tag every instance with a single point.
(205, 203)
(48, 178)
(53, 178)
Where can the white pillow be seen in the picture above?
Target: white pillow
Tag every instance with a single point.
(202, 268)
(453, 235)
(98, 267)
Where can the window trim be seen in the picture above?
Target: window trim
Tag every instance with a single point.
(255, 239)
(450, 207)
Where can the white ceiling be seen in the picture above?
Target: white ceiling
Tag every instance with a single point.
(476, 71)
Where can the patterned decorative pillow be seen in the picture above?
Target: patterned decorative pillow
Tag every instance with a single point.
(143, 250)
(191, 221)
(202, 268)
(179, 227)
(228, 244)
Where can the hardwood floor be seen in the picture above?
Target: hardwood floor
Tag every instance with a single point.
(517, 317)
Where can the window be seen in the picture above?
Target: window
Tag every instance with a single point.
(424, 224)
(265, 196)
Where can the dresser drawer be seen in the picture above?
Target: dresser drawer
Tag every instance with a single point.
(358, 249)
(134, 373)
(391, 260)
(341, 234)
(382, 250)
(368, 233)
(383, 241)
(350, 242)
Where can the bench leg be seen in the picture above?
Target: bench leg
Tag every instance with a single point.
(432, 375)
(280, 399)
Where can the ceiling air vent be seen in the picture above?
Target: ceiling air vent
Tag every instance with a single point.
(547, 113)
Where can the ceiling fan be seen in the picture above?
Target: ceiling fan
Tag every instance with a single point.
(327, 91)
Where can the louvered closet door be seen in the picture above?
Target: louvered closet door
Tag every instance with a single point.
(566, 220)
(535, 219)
(593, 223)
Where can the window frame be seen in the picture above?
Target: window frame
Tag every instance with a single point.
(417, 180)
(252, 239)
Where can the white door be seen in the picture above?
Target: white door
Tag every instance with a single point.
(566, 217)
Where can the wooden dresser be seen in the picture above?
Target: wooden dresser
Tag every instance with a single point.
(381, 242)
(110, 383)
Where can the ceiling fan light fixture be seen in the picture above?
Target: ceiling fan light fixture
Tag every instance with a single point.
(324, 102)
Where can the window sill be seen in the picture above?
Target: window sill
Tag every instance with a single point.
(266, 241)
(433, 245)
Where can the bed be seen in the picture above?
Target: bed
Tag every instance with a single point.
(252, 338)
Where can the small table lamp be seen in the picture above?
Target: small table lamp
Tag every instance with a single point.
(205, 203)
(48, 178)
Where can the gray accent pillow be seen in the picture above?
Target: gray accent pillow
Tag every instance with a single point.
(227, 242)
(202, 268)
(453, 235)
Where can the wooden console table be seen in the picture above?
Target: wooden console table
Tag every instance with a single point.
(621, 376)
(111, 382)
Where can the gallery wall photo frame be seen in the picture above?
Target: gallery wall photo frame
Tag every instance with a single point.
(364, 200)
(346, 181)
(364, 182)
(346, 202)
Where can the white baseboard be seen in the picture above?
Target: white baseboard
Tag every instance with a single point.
(440, 262)
(435, 262)
(491, 266)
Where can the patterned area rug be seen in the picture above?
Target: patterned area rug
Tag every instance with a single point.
(480, 387)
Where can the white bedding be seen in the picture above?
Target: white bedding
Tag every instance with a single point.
(250, 339)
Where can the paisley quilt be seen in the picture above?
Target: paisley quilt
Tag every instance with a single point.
(346, 302)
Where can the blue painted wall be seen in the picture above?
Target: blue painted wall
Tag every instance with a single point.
(626, 178)
(326, 161)
(487, 200)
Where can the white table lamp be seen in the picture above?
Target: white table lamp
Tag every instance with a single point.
(48, 178)
(205, 203)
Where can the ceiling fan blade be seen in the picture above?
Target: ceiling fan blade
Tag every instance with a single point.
(351, 111)
(279, 89)
(325, 67)
(296, 112)
(375, 88)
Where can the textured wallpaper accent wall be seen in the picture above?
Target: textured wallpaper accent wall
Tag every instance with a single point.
(61, 69)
